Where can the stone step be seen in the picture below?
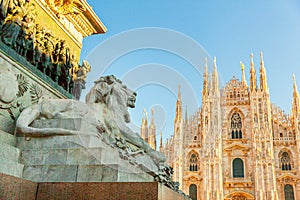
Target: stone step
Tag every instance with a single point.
(9, 152)
(11, 168)
(72, 156)
(84, 173)
(61, 142)
(71, 173)
(7, 138)
(50, 173)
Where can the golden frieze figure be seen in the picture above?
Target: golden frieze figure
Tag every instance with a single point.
(65, 7)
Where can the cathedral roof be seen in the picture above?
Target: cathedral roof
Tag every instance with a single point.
(235, 92)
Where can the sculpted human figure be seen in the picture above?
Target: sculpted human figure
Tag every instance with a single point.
(47, 54)
(66, 70)
(74, 67)
(18, 12)
(79, 78)
(62, 71)
(11, 29)
(38, 44)
(23, 40)
(4, 4)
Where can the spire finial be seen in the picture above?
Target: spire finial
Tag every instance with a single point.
(295, 108)
(205, 81)
(152, 117)
(215, 79)
(294, 78)
(261, 59)
(242, 66)
(263, 76)
(251, 62)
(252, 74)
(251, 59)
(243, 73)
(145, 114)
(295, 84)
(215, 62)
(178, 116)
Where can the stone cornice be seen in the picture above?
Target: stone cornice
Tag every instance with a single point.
(93, 19)
(85, 23)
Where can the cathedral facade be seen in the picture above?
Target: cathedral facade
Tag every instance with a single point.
(238, 145)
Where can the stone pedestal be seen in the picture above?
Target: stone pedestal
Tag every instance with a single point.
(9, 155)
(106, 191)
(12, 188)
(76, 159)
(79, 158)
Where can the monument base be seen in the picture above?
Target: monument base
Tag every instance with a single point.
(13, 188)
(80, 158)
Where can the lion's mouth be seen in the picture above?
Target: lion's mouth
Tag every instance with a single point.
(131, 101)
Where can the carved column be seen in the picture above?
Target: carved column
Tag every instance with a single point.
(262, 181)
(268, 193)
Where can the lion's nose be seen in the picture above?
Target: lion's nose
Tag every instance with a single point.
(134, 93)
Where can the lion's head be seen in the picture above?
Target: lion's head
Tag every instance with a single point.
(110, 91)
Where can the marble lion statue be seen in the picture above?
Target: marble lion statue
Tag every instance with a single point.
(105, 113)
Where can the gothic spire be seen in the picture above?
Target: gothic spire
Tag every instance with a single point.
(295, 106)
(152, 118)
(215, 78)
(252, 75)
(152, 132)
(178, 107)
(144, 126)
(205, 81)
(295, 86)
(145, 118)
(179, 93)
(263, 76)
(160, 143)
(243, 75)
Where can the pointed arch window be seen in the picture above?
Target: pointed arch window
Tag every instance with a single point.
(236, 126)
(238, 168)
(193, 163)
(289, 192)
(285, 161)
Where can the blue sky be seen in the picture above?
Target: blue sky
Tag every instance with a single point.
(154, 60)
